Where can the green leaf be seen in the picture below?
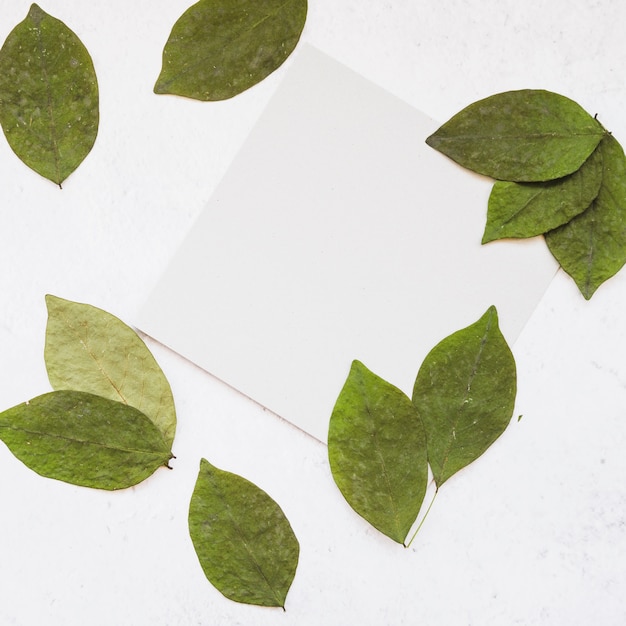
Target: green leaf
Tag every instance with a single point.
(465, 393)
(48, 96)
(377, 452)
(522, 136)
(88, 349)
(521, 210)
(84, 439)
(219, 48)
(242, 538)
(592, 247)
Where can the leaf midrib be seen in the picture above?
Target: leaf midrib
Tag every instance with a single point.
(523, 208)
(385, 473)
(525, 137)
(461, 409)
(86, 345)
(50, 108)
(244, 539)
(79, 441)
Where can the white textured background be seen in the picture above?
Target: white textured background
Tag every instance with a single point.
(532, 533)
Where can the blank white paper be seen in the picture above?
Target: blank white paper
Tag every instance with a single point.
(337, 234)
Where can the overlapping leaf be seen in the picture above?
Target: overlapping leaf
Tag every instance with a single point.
(527, 135)
(88, 349)
(84, 439)
(592, 247)
(465, 393)
(560, 174)
(48, 95)
(377, 452)
(242, 538)
(521, 210)
(219, 48)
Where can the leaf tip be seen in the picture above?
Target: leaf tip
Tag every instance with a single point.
(432, 140)
(53, 302)
(588, 290)
(487, 237)
(50, 299)
(492, 314)
(159, 87)
(36, 13)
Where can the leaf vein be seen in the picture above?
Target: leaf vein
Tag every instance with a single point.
(461, 410)
(99, 444)
(53, 129)
(385, 472)
(244, 539)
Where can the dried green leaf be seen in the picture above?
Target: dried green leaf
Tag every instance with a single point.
(521, 210)
(465, 393)
(242, 538)
(88, 349)
(377, 452)
(84, 439)
(522, 136)
(592, 247)
(48, 96)
(219, 48)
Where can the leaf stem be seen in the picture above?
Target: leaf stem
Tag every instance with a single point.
(430, 506)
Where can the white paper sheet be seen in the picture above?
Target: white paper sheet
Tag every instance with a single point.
(337, 234)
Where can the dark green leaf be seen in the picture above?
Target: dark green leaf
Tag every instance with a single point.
(523, 210)
(84, 439)
(243, 540)
(48, 96)
(523, 136)
(377, 452)
(592, 247)
(465, 393)
(88, 349)
(219, 48)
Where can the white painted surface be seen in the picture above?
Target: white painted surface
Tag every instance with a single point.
(532, 533)
(337, 234)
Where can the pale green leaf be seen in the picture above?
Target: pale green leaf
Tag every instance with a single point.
(465, 393)
(522, 136)
(219, 48)
(84, 439)
(48, 95)
(88, 349)
(521, 210)
(377, 452)
(244, 542)
(592, 247)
